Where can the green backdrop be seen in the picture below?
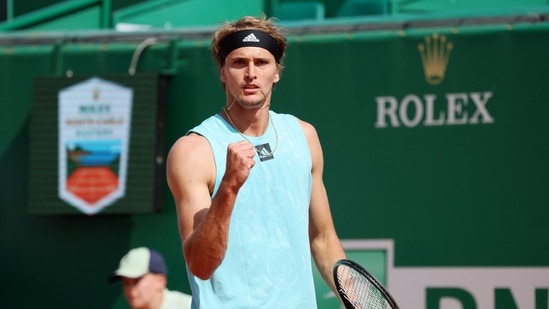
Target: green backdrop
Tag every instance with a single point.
(446, 193)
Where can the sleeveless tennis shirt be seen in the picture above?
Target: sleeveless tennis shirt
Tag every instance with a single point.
(268, 260)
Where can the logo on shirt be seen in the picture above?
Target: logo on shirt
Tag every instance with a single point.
(264, 152)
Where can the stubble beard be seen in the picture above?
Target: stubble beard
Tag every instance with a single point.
(247, 104)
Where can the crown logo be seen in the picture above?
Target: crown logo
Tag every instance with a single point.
(95, 94)
(435, 53)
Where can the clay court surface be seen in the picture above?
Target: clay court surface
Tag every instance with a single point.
(92, 184)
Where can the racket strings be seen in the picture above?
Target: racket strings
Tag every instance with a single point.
(359, 291)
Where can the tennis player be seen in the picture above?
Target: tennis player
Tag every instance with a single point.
(247, 182)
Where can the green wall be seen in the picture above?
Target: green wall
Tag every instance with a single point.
(447, 193)
(64, 261)
(25, 7)
(407, 7)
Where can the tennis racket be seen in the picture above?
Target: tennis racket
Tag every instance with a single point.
(359, 289)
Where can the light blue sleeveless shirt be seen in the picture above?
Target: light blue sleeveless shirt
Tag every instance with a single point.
(268, 260)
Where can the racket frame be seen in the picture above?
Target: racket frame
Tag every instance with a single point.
(343, 294)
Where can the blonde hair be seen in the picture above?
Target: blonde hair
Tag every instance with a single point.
(262, 23)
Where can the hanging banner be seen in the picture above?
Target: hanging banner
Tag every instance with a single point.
(94, 134)
(96, 145)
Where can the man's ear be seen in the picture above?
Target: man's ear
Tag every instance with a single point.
(222, 75)
(277, 78)
(161, 280)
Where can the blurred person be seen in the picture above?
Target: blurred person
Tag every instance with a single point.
(143, 274)
(247, 183)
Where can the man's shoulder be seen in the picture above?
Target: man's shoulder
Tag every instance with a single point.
(178, 294)
(213, 121)
(285, 118)
(176, 299)
(292, 121)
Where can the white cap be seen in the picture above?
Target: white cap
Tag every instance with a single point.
(138, 262)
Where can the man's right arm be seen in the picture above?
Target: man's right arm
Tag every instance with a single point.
(203, 221)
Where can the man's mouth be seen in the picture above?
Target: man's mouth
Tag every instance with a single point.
(250, 89)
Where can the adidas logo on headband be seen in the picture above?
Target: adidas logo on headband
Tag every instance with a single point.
(250, 38)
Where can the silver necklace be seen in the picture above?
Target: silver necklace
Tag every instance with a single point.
(248, 140)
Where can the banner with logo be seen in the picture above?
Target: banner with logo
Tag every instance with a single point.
(435, 140)
(94, 136)
(96, 145)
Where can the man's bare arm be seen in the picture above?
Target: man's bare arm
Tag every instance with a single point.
(204, 222)
(325, 244)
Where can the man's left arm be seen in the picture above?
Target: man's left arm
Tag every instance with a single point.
(325, 244)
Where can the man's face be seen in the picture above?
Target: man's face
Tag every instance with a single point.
(249, 74)
(144, 292)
